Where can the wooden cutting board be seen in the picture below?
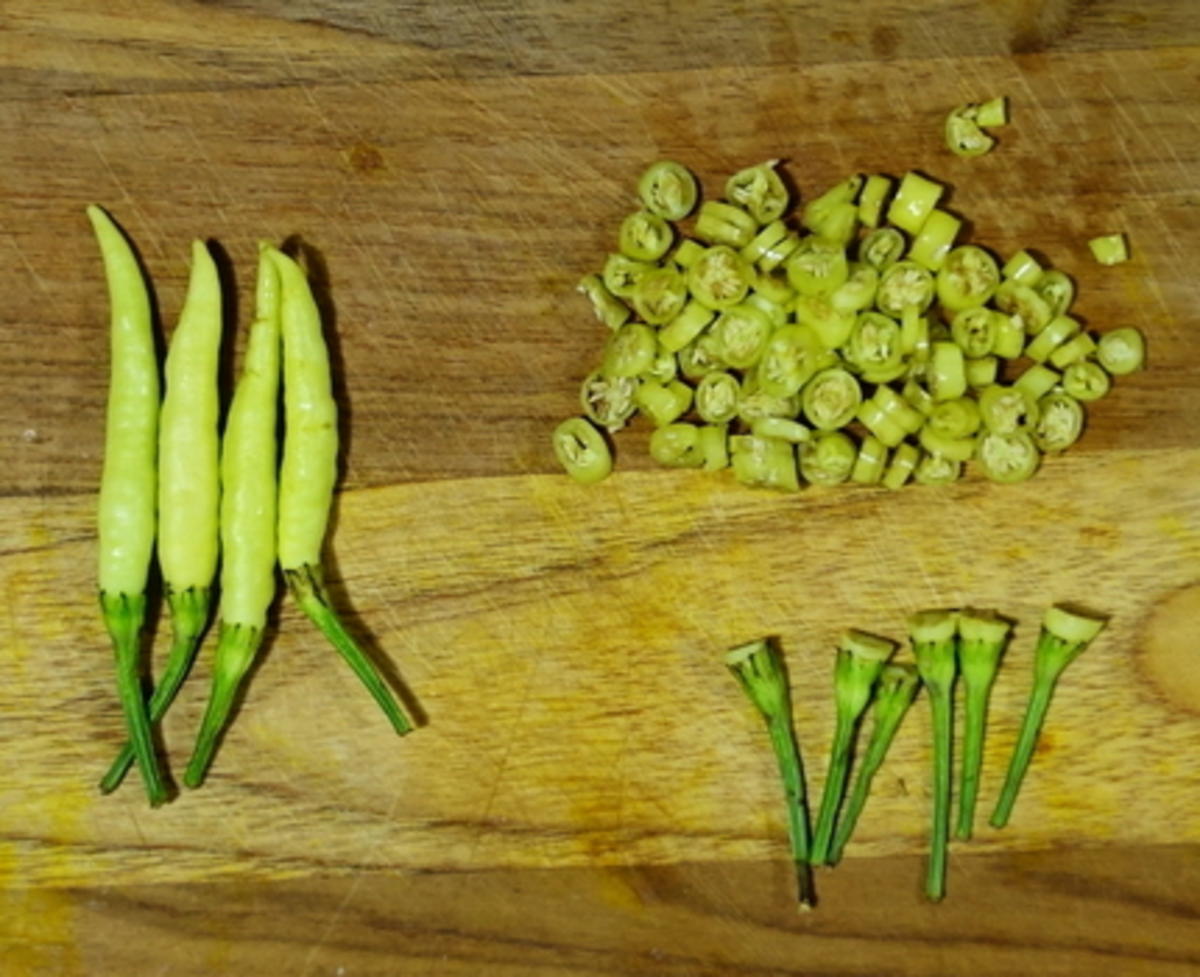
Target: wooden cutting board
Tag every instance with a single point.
(589, 793)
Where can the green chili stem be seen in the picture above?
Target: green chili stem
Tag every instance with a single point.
(1064, 635)
(934, 645)
(189, 616)
(123, 616)
(861, 658)
(759, 671)
(898, 687)
(976, 704)
(1031, 725)
(310, 594)
(943, 730)
(982, 636)
(787, 754)
(834, 790)
(236, 649)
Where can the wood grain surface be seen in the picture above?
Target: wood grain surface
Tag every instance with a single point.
(589, 794)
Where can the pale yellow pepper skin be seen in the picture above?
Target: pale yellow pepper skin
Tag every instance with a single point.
(126, 519)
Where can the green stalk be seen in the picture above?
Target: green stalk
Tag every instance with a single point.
(981, 639)
(898, 685)
(310, 594)
(1063, 637)
(123, 616)
(236, 649)
(933, 635)
(860, 659)
(759, 671)
(189, 616)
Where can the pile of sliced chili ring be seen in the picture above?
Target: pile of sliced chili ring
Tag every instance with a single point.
(855, 340)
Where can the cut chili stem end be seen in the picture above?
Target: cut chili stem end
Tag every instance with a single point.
(898, 686)
(982, 638)
(189, 617)
(860, 659)
(759, 671)
(123, 617)
(314, 601)
(236, 648)
(1064, 635)
(933, 635)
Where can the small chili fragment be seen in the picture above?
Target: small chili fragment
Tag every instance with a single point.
(714, 446)
(1059, 423)
(1023, 303)
(1079, 347)
(957, 418)
(1057, 291)
(833, 215)
(874, 345)
(831, 325)
(962, 133)
(827, 458)
(1121, 351)
(720, 223)
(764, 462)
(719, 278)
(904, 285)
(968, 277)
(582, 451)
(935, 239)
(1022, 268)
(946, 375)
(914, 201)
(1056, 332)
(663, 402)
(716, 397)
(1009, 338)
(608, 401)
(981, 371)
(742, 333)
(1007, 457)
(954, 449)
(660, 295)
(817, 266)
(831, 399)
(1110, 249)
(1037, 380)
(793, 354)
(686, 252)
(871, 461)
(760, 191)
(608, 308)
(937, 470)
(900, 468)
(644, 236)
(783, 428)
(974, 330)
(668, 189)
(882, 248)
(872, 197)
(630, 350)
(677, 446)
(857, 292)
(622, 273)
(1086, 380)
(686, 326)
